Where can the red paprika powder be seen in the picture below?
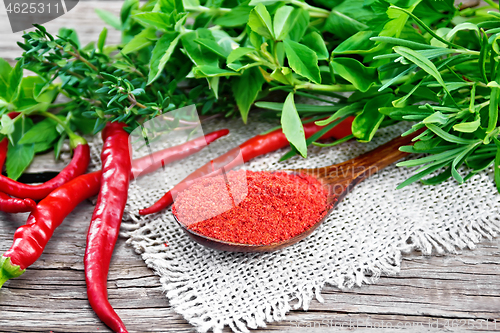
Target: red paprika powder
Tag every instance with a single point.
(258, 208)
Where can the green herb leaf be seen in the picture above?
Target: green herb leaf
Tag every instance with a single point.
(260, 21)
(5, 70)
(238, 16)
(7, 125)
(292, 126)
(195, 51)
(19, 157)
(353, 71)
(468, 127)
(157, 20)
(212, 45)
(212, 71)
(143, 39)
(109, 18)
(316, 43)
(421, 62)
(284, 19)
(302, 60)
(102, 39)
(449, 137)
(342, 25)
(14, 85)
(367, 122)
(238, 53)
(246, 88)
(161, 54)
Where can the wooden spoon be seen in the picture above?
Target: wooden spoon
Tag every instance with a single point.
(339, 179)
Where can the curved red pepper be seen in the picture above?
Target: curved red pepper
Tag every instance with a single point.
(77, 166)
(7, 203)
(106, 220)
(160, 158)
(31, 238)
(256, 146)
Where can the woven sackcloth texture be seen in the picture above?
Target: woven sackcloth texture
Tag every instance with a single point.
(363, 238)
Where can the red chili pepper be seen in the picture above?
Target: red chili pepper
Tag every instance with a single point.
(77, 166)
(8, 204)
(31, 238)
(256, 146)
(106, 220)
(160, 158)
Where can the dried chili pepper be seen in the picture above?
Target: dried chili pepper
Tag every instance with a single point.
(256, 146)
(31, 238)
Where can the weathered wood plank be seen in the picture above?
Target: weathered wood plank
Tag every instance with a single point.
(454, 292)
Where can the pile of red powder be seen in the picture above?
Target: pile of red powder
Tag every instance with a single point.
(249, 207)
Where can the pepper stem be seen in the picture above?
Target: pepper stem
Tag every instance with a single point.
(74, 139)
(8, 270)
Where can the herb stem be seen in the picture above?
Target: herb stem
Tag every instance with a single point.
(492, 4)
(78, 56)
(74, 138)
(326, 87)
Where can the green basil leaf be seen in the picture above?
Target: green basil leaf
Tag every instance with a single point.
(284, 19)
(246, 88)
(161, 54)
(44, 130)
(300, 26)
(316, 43)
(292, 126)
(355, 72)
(19, 158)
(109, 18)
(143, 39)
(160, 21)
(190, 4)
(212, 45)
(342, 25)
(302, 60)
(15, 78)
(358, 43)
(7, 125)
(238, 53)
(260, 21)
(238, 16)
(367, 122)
(5, 70)
(195, 51)
(212, 71)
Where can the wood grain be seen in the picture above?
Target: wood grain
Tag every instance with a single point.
(453, 293)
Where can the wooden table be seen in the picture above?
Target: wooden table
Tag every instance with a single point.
(454, 292)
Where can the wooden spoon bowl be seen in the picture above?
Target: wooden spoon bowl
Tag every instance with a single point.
(339, 179)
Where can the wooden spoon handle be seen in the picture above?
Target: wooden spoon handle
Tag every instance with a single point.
(341, 178)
